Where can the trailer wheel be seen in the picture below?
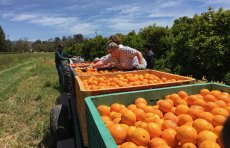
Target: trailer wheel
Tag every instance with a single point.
(60, 125)
(66, 76)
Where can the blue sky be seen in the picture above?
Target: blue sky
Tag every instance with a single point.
(45, 19)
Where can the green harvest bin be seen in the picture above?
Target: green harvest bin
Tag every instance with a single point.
(99, 136)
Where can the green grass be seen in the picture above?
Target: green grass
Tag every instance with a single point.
(29, 89)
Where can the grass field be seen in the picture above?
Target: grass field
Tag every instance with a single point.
(29, 89)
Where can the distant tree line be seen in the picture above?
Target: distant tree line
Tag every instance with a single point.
(197, 46)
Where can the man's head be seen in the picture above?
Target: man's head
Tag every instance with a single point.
(60, 46)
(113, 49)
(147, 47)
(115, 39)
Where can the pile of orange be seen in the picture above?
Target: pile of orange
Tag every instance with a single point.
(92, 71)
(123, 80)
(82, 64)
(180, 120)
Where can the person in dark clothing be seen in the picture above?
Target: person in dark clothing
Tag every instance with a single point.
(226, 133)
(59, 57)
(149, 56)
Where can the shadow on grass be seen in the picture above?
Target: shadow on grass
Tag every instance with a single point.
(47, 141)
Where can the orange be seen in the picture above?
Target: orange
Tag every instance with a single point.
(140, 114)
(167, 97)
(140, 100)
(105, 118)
(220, 111)
(225, 93)
(150, 117)
(174, 97)
(183, 94)
(209, 98)
(155, 107)
(108, 123)
(140, 124)
(173, 110)
(206, 135)
(114, 115)
(125, 126)
(181, 109)
(228, 108)
(132, 107)
(194, 111)
(169, 135)
(140, 137)
(218, 120)
(171, 101)
(117, 120)
(165, 106)
(207, 116)
(128, 145)
(184, 118)
(204, 92)
(180, 101)
(201, 125)
(155, 142)
(188, 145)
(209, 144)
(199, 96)
(163, 146)
(169, 124)
(154, 130)
(215, 93)
(116, 107)
(148, 109)
(200, 102)
(159, 122)
(129, 132)
(118, 133)
(186, 133)
(224, 98)
(103, 110)
(218, 129)
(141, 105)
(128, 117)
(210, 106)
(171, 116)
(191, 99)
(221, 103)
(158, 112)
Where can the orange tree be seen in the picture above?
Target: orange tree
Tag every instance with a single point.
(201, 45)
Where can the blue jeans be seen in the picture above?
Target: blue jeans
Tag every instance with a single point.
(59, 69)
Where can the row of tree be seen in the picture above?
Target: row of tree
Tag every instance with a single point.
(197, 46)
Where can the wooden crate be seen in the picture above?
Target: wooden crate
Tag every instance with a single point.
(82, 93)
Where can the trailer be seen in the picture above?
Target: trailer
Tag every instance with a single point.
(68, 118)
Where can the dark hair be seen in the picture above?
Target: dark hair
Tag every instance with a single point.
(115, 39)
(60, 45)
(147, 46)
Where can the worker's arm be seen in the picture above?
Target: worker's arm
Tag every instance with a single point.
(139, 57)
(98, 64)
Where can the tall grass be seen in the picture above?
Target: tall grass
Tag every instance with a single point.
(27, 94)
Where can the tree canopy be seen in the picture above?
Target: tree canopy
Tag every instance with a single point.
(197, 46)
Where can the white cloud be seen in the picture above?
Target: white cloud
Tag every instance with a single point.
(83, 28)
(66, 23)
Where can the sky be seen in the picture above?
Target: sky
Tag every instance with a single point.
(46, 19)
